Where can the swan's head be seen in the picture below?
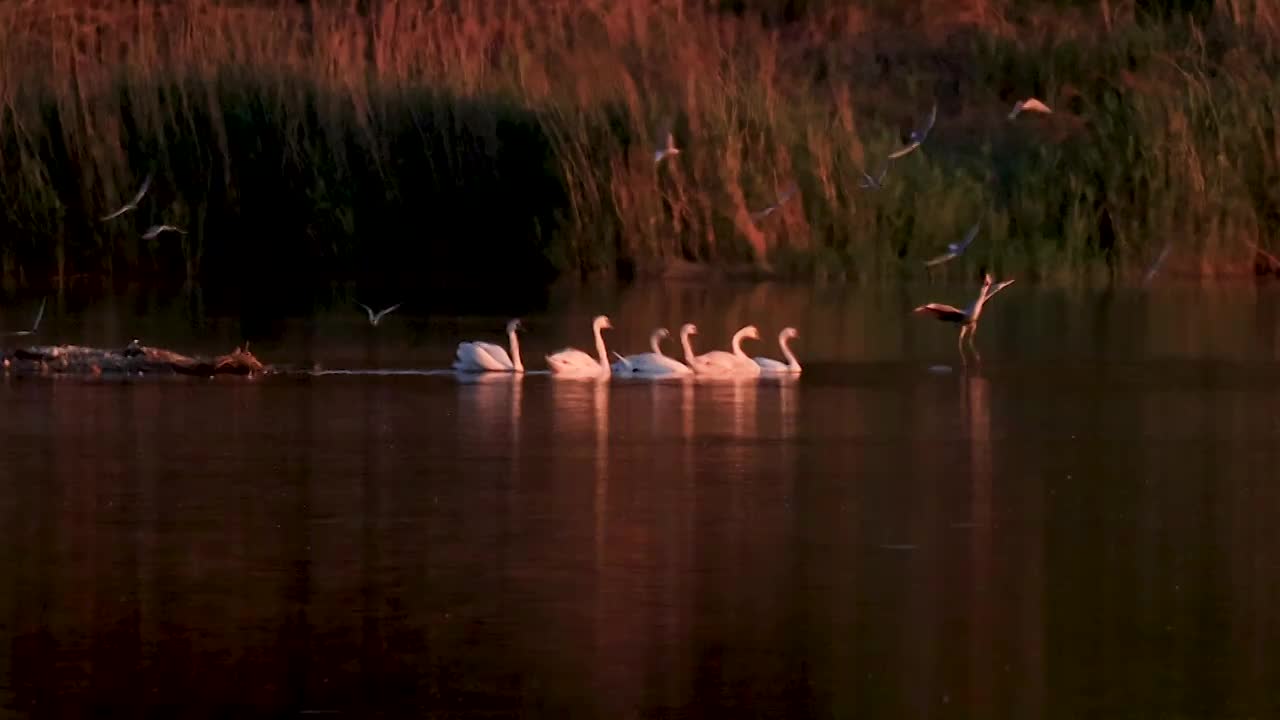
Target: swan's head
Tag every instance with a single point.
(749, 332)
(513, 326)
(688, 329)
(602, 323)
(660, 333)
(787, 333)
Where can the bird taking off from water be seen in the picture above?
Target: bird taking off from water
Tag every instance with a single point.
(955, 250)
(782, 200)
(34, 326)
(376, 317)
(663, 152)
(918, 135)
(132, 204)
(1029, 105)
(966, 319)
(156, 231)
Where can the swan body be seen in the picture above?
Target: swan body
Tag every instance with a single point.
(792, 365)
(653, 363)
(572, 362)
(719, 363)
(479, 356)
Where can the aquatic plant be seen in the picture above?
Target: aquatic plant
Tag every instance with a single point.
(466, 141)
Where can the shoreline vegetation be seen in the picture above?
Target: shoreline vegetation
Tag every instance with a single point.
(464, 141)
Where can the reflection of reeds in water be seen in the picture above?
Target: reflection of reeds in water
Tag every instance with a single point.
(1031, 596)
(1204, 322)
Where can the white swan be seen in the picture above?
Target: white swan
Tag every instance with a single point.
(571, 362)
(719, 363)
(479, 356)
(651, 364)
(792, 365)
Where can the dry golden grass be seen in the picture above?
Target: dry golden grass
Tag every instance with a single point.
(526, 131)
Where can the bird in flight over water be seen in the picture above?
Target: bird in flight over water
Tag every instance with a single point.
(1029, 105)
(132, 204)
(1155, 266)
(782, 200)
(918, 135)
(873, 183)
(955, 250)
(663, 152)
(156, 231)
(376, 317)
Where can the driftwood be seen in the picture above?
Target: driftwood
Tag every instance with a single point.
(133, 359)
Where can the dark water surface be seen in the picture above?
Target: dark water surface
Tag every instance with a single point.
(1083, 525)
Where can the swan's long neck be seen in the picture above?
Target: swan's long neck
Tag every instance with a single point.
(792, 362)
(515, 351)
(737, 344)
(600, 349)
(687, 344)
(655, 343)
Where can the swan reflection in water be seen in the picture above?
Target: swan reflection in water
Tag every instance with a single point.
(977, 400)
(490, 404)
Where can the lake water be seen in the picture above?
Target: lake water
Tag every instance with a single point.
(1082, 525)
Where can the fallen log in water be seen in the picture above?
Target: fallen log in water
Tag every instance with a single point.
(134, 358)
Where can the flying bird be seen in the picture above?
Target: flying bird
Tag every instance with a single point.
(917, 136)
(34, 326)
(132, 204)
(376, 317)
(873, 183)
(966, 319)
(1155, 266)
(782, 200)
(663, 152)
(1029, 105)
(955, 250)
(156, 231)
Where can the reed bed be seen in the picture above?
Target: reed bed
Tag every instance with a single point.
(461, 141)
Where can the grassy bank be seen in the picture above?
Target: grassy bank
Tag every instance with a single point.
(479, 139)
